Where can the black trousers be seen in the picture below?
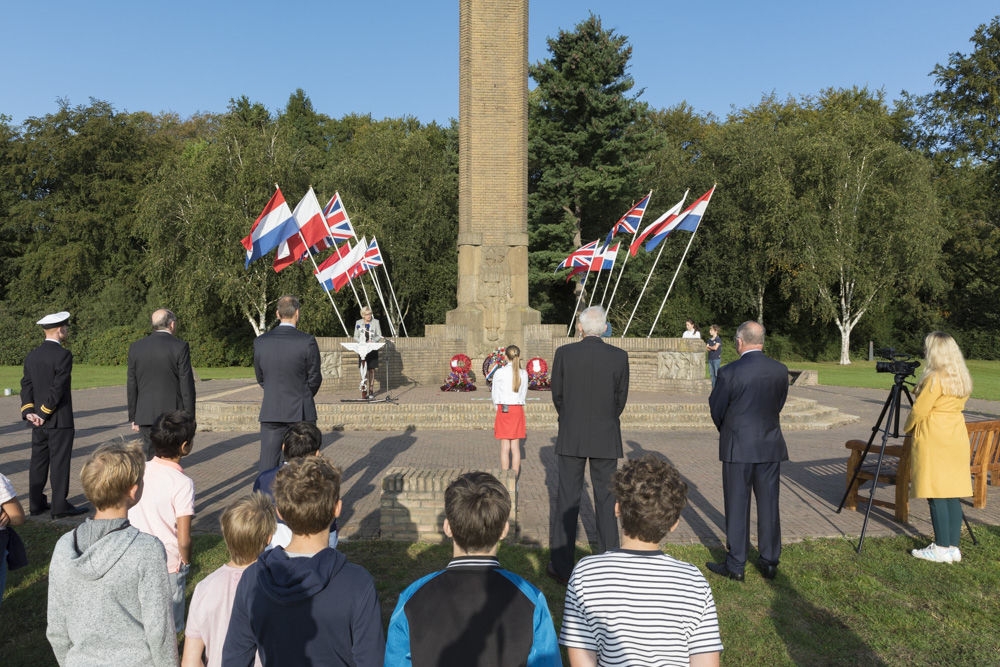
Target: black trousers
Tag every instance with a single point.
(147, 444)
(563, 540)
(51, 450)
(738, 481)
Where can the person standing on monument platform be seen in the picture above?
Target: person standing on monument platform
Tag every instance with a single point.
(47, 402)
(160, 378)
(286, 363)
(589, 390)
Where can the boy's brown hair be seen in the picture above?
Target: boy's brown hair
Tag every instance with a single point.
(111, 472)
(477, 507)
(247, 527)
(651, 495)
(306, 492)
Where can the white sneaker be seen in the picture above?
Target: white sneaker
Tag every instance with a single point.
(956, 555)
(933, 552)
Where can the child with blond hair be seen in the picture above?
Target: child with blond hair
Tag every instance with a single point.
(109, 595)
(247, 527)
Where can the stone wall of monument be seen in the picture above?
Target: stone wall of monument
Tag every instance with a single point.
(673, 365)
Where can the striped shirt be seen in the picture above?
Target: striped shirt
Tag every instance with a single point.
(639, 608)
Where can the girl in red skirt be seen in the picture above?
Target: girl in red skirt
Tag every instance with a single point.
(510, 386)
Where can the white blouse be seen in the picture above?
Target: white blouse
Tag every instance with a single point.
(503, 382)
(691, 334)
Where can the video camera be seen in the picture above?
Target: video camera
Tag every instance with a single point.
(897, 364)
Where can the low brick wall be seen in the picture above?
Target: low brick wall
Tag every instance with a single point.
(412, 502)
(674, 365)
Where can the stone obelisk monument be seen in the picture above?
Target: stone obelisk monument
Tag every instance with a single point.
(493, 174)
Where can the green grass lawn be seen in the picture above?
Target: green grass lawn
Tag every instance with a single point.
(985, 376)
(828, 605)
(86, 376)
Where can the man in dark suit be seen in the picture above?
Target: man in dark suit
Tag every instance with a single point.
(589, 391)
(746, 405)
(159, 376)
(287, 365)
(47, 402)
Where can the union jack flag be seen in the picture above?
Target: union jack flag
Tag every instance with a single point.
(373, 256)
(579, 257)
(336, 218)
(630, 221)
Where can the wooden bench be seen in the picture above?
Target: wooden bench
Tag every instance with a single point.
(895, 470)
(985, 458)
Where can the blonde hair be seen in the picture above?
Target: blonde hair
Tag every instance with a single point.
(366, 311)
(110, 473)
(513, 353)
(247, 527)
(946, 365)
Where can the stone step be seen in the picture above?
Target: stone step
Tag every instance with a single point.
(799, 414)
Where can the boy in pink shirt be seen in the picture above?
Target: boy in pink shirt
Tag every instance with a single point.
(247, 527)
(167, 503)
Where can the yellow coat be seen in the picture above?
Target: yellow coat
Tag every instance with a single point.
(939, 459)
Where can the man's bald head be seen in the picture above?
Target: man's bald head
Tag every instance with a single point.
(163, 320)
(751, 334)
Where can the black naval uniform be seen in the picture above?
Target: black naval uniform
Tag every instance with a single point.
(45, 391)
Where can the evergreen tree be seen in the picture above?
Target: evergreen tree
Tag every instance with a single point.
(588, 153)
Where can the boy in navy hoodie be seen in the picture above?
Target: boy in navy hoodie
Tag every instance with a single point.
(305, 604)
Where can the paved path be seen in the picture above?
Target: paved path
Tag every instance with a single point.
(223, 465)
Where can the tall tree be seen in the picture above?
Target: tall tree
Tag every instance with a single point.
(867, 226)
(588, 154)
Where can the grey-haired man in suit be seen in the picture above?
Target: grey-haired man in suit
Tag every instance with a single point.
(160, 378)
(286, 362)
(746, 406)
(589, 390)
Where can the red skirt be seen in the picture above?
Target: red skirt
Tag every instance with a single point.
(509, 425)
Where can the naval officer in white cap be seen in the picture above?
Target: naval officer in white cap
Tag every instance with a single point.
(46, 402)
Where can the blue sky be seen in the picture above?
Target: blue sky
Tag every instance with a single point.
(395, 58)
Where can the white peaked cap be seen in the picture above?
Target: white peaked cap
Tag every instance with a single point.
(54, 320)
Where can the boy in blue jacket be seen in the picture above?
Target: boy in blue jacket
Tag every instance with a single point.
(305, 604)
(474, 613)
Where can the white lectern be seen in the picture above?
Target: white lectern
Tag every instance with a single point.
(362, 350)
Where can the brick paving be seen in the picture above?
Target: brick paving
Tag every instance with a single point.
(223, 465)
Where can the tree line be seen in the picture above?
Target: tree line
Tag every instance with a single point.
(839, 217)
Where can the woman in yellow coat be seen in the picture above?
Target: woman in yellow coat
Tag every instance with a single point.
(939, 460)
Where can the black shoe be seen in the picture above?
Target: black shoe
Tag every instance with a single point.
(723, 571)
(551, 571)
(70, 511)
(769, 571)
(45, 508)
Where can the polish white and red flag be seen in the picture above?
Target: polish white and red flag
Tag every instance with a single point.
(274, 224)
(334, 275)
(312, 229)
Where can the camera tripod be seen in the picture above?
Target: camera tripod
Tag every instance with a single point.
(890, 409)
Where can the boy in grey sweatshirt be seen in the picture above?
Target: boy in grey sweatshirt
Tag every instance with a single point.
(109, 596)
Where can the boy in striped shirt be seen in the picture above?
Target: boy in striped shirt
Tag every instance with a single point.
(637, 605)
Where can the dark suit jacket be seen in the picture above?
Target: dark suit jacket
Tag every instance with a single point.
(286, 362)
(45, 386)
(589, 391)
(159, 378)
(746, 402)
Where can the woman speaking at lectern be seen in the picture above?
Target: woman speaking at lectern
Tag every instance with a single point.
(367, 330)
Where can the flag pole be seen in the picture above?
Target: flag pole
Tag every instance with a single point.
(392, 291)
(690, 241)
(356, 240)
(636, 307)
(378, 291)
(337, 251)
(580, 298)
(611, 272)
(316, 268)
(664, 302)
